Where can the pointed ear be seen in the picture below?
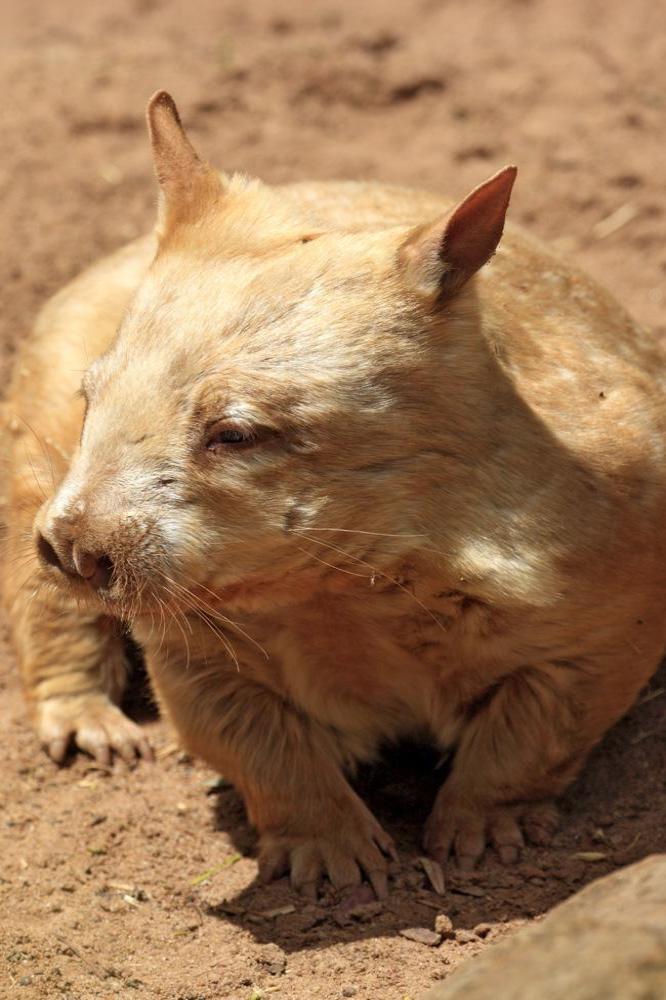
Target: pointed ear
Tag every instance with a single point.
(442, 256)
(188, 186)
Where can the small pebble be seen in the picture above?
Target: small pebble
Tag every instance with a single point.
(422, 935)
(444, 926)
(359, 904)
(483, 930)
(274, 962)
(277, 968)
(466, 937)
(348, 991)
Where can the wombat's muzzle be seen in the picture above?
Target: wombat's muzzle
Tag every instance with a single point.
(58, 545)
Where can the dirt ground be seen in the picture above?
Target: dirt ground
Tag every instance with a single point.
(141, 883)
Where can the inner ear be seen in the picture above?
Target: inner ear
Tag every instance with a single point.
(442, 256)
(188, 185)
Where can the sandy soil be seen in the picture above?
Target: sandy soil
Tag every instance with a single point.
(142, 883)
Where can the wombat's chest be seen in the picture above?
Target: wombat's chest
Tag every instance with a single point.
(387, 667)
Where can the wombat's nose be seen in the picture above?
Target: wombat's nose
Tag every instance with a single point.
(73, 560)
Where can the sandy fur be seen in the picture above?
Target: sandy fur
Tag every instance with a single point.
(451, 527)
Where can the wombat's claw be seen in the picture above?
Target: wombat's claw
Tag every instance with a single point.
(94, 724)
(343, 859)
(465, 832)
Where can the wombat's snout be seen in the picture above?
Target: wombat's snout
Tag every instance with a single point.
(56, 547)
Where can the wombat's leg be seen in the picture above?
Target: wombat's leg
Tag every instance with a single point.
(522, 745)
(74, 670)
(287, 767)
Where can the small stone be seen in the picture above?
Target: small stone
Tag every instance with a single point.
(25, 981)
(444, 926)
(483, 930)
(277, 968)
(422, 935)
(274, 962)
(465, 937)
(348, 991)
(359, 904)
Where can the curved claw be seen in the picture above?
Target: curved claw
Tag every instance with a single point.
(95, 725)
(341, 858)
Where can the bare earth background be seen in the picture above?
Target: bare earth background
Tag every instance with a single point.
(103, 887)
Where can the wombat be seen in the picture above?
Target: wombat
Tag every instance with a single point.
(345, 480)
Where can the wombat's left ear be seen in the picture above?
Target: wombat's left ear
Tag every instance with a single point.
(440, 257)
(188, 186)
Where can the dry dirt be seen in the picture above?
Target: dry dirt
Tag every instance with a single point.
(130, 884)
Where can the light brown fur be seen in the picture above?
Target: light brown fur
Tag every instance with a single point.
(450, 523)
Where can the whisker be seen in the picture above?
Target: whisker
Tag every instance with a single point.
(377, 534)
(340, 569)
(183, 595)
(42, 444)
(215, 613)
(377, 571)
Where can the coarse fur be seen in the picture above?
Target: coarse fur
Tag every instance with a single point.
(342, 489)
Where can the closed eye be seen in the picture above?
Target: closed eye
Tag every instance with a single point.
(232, 435)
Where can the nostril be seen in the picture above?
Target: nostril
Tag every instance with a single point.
(104, 573)
(48, 553)
(96, 570)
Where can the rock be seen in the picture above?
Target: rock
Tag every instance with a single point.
(609, 940)
(465, 937)
(273, 960)
(422, 935)
(482, 930)
(444, 926)
(349, 991)
(277, 968)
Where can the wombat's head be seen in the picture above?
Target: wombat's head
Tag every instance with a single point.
(278, 405)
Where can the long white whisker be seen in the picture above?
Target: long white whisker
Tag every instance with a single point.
(378, 572)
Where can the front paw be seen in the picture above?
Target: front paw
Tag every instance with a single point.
(343, 851)
(94, 724)
(465, 830)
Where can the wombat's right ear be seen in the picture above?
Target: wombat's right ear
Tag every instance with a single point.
(188, 186)
(440, 257)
